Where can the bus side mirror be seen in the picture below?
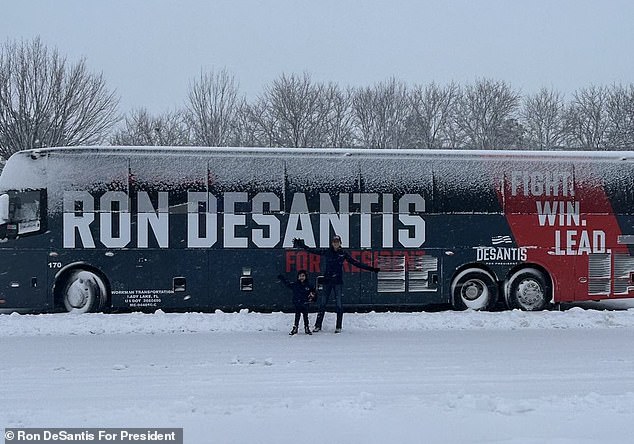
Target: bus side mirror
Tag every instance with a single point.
(4, 209)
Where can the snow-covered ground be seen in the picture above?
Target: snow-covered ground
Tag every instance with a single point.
(446, 377)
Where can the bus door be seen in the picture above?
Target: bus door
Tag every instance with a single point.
(23, 258)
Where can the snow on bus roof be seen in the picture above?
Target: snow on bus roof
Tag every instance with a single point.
(330, 152)
(456, 172)
(179, 164)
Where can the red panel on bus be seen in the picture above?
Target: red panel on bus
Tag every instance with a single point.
(562, 228)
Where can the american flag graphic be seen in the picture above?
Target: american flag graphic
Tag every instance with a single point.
(497, 240)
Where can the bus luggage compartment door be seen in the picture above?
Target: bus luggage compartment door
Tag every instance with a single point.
(147, 280)
(23, 280)
(247, 278)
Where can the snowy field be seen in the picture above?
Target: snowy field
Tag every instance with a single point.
(446, 377)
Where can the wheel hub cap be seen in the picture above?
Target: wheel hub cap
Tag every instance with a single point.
(472, 290)
(530, 292)
(77, 295)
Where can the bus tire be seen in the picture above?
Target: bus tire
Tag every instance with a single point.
(528, 290)
(474, 288)
(83, 291)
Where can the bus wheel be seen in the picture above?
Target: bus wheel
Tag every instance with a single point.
(528, 290)
(474, 288)
(83, 292)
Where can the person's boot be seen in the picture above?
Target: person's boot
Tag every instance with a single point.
(318, 321)
(339, 322)
(307, 330)
(293, 331)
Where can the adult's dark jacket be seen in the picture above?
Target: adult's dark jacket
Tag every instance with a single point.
(334, 259)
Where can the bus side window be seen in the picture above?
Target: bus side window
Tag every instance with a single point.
(27, 211)
(4, 209)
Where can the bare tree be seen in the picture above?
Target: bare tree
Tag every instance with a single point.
(433, 110)
(380, 114)
(296, 104)
(587, 118)
(542, 115)
(143, 129)
(511, 135)
(248, 130)
(620, 113)
(338, 124)
(46, 101)
(266, 123)
(212, 109)
(483, 111)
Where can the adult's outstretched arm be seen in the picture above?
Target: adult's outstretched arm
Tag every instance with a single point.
(356, 263)
(299, 243)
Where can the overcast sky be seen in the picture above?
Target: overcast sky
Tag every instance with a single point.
(149, 50)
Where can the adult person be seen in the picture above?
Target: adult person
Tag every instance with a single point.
(332, 271)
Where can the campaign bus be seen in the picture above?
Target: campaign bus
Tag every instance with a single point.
(138, 228)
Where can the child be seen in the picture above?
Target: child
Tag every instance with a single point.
(303, 293)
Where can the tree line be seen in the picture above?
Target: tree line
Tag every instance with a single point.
(45, 100)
